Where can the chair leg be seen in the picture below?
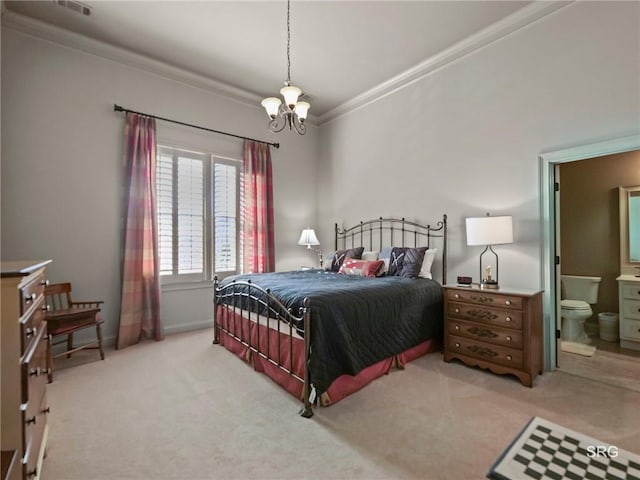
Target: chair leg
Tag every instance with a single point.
(49, 359)
(69, 344)
(99, 333)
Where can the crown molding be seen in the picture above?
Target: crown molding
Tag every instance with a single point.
(517, 20)
(76, 41)
(61, 36)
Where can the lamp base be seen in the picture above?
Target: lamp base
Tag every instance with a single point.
(490, 284)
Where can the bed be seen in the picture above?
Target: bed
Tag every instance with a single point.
(323, 334)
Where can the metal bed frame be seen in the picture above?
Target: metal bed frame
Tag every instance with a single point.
(254, 298)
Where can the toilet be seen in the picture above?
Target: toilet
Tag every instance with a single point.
(578, 294)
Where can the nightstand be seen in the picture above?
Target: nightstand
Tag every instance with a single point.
(498, 330)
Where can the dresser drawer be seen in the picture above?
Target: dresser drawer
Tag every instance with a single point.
(484, 351)
(486, 333)
(31, 292)
(630, 309)
(33, 436)
(488, 299)
(31, 325)
(34, 369)
(493, 316)
(630, 329)
(631, 291)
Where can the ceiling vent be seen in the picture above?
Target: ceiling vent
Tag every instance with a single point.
(306, 97)
(75, 6)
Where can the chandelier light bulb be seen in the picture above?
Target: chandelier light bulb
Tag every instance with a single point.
(290, 94)
(301, 110)
(271, 105)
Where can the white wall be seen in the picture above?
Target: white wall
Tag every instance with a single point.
(62, 176)
(465, 139)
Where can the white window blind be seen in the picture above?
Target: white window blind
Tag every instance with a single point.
(225, 217)
(197, 209)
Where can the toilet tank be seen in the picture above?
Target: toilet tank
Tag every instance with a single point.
(580, 288)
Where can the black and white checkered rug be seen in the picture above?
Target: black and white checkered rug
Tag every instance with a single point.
(545, 450)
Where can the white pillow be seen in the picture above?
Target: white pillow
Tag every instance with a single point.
(370, 255)
(429, 255)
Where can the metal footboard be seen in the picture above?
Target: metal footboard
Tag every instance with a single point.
(249, 301)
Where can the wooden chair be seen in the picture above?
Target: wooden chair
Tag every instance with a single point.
(65, 317)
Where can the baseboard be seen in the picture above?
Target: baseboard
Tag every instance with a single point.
(110, 341)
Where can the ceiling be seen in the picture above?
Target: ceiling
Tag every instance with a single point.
(339, 49)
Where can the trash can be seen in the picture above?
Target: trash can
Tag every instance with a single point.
(608, 326)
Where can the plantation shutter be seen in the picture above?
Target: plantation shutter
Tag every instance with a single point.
(225, 216)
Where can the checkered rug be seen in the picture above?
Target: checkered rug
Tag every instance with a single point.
(545, 450)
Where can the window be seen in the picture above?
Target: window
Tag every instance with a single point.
(197, 209)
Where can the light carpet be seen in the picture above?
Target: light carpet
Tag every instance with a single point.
(186, 409)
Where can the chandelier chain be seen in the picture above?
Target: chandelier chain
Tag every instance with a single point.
(288, 43)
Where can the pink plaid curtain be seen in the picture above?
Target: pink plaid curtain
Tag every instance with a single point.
(140, 303)
(258, 231)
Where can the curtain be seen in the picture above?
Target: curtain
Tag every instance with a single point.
(258, 229)
(140, 302)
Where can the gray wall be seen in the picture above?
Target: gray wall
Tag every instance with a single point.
(465, 139)
(62, 176)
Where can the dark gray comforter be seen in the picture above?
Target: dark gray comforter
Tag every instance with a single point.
(356, 321)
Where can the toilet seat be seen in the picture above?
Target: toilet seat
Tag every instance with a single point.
(574, 305)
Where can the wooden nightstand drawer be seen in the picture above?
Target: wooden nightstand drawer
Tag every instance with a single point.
(34, 369)
(494, 353)
(477, 313)
(480, 297)
(501, 336)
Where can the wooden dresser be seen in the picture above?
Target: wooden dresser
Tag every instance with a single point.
(23, 340)
(499, 330)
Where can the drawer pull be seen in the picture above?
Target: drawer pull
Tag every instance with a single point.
(33, 473)
(30, 298)
(45, 371)
(508, 338)
(30, 332)
(46, 410)
(508, 357)
(457, 345)
(457, 310)
(31, 420)
(457, 327)
(34, 372)
(508, 319)
(458, 296)
(44, 283)
(507, 302)
(46, 308)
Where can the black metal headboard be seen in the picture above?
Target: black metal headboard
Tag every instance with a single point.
(381, 232)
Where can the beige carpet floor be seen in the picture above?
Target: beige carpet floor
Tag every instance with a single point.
(186, 409)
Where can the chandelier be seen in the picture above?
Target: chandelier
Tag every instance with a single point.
(292, 112)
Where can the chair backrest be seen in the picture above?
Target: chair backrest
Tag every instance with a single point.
(58, 296)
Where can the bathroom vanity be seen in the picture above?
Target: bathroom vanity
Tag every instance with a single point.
(629, 297)
(629, 279)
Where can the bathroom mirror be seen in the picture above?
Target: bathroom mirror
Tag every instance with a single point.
(629, 228)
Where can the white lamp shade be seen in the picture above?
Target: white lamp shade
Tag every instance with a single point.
(308, 237)
(271, 105)
(301, 109)
(290, 94)
(489, 230)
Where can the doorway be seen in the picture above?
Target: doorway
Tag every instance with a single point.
(551, 228)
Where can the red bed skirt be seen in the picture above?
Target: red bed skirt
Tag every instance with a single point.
(291, 356)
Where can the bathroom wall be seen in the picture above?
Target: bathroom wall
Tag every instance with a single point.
(589, 220)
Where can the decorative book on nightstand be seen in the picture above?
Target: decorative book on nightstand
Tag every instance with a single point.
(498, 330)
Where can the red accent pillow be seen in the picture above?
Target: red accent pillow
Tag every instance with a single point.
(364, 268)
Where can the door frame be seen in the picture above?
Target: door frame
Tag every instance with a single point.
(550, 280)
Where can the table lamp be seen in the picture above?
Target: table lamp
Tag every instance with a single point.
(489, 231)
(309, 238)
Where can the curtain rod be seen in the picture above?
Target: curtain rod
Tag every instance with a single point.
(118, 108)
